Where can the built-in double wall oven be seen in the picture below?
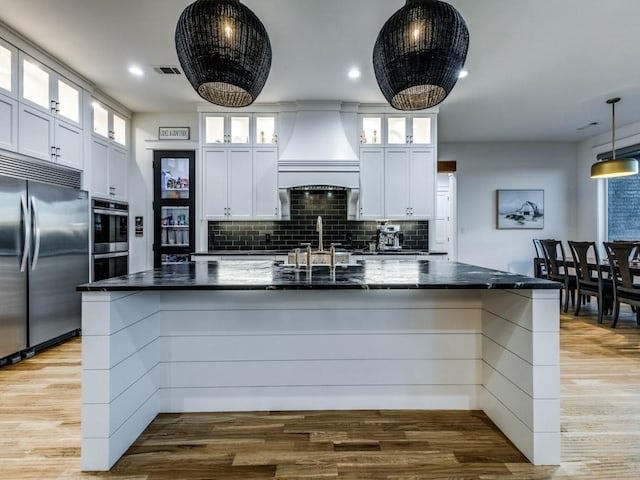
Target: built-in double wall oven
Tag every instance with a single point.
(110, 239)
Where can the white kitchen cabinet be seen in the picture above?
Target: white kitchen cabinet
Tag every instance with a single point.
(396, 198)
(8, 69)
(257, 130)
(109, 166)
(48, 138)
(227, 183)
(118, 174)
(36, 133)
(8, 123)
(394, 130)
(410, 179)
(409, 130)
(228, 129)
(371, 128)
(422, 183)
(372, 176)
(46, 90)
(397, 166)
(110, 125)
(265, 129)
(265, 178)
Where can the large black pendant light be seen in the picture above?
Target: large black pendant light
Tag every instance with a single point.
(224, 51)
(419, 54)
(616, 167)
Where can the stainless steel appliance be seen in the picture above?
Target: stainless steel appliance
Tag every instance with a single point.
(110, 239)
(389, 237)
(44, 255)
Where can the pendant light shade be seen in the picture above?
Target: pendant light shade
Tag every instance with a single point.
(224, 51)
(419, 54)
(621, 167)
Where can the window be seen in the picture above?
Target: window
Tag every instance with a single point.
(623, 205)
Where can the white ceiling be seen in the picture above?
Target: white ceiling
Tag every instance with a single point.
(540, 69)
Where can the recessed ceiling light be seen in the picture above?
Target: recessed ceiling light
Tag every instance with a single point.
(354, 73)
(463, 73)
(135, 70)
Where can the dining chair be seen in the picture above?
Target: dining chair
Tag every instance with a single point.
(624, 288)
(557, 270)
(586, 260)
(539, 264)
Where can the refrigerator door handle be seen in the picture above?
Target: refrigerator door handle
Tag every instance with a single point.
(36, 229)
(27, 233)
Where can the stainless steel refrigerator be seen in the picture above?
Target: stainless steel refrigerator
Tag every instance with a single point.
(44, 255)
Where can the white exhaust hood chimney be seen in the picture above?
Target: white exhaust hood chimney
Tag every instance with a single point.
(318, 152)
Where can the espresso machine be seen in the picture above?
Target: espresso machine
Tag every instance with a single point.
(389, 237)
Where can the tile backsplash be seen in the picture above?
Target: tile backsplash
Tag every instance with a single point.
(306, 206)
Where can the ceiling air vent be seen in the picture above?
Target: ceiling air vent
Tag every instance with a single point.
(167, 70)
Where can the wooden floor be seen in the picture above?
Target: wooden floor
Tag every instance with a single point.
(600, 368)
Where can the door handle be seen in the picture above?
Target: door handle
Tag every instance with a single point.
(27, 233)
(36, 229)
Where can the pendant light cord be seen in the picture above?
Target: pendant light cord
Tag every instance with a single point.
(613, 129)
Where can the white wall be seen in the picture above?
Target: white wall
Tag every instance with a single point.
(484, 168)
(144, 131)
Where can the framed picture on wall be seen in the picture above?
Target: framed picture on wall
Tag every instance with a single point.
(520, 209)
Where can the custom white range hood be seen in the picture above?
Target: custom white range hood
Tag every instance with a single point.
(319, 152)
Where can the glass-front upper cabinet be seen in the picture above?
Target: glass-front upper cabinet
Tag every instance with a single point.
(409, 130)
(109, 124)
(231, 129)
(370, 130)
(265, 132)
(44, 88)
(397, 130)
(421, 131)
(8, 68)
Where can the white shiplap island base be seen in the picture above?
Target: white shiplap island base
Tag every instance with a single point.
(151, 351)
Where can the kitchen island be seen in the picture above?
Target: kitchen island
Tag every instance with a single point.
(259, 335)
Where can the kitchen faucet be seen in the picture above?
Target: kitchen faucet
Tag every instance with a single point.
(319, 230)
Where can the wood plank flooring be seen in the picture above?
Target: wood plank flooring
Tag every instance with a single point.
(600, 370)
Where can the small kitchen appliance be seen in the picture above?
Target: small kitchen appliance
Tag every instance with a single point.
(389, 237)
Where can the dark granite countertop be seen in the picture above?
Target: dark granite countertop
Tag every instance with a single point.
(249, 253)
(270, 275)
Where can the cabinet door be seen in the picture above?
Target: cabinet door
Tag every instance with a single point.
(371, 130)
(8, 123)
(100, 167)
(396, 195)
(214, 184)
(239, 129)
(397, 130)
(265, 177)
(68, 143)
(265, 131)
(421, 130)
(214, 129)
(118, 165)
(240, 184)
(68, 99)
(8, 69)
(422, 182)
(36, 83)
(35, 135)
(371, 184)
